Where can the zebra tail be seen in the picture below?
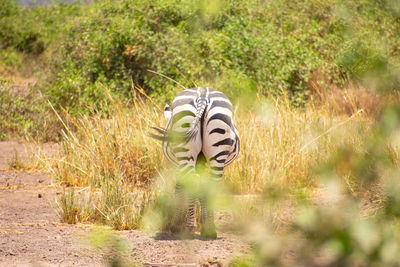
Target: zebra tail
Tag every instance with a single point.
(195, 127)
(161, 131)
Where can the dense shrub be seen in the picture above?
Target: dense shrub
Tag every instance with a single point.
(269, 46)
(118, 43)
(265, 47)
(25, 114)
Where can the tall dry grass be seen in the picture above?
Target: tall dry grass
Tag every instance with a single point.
(116, 163)
(101, 148)
(280, 144)
(110, 161)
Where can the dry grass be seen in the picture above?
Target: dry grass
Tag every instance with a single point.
(342, 100)
(112, 160)
(280, 144)
(116, 161)
(105, 148)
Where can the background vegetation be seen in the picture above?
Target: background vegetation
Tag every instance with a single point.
(257, 46)
(314, 84)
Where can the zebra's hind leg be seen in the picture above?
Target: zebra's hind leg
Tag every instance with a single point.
(207, 220)
(206, 203)
(184, 221)
(191, 217)
(178, 221)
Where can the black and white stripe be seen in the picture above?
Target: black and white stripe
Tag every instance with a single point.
(200, 125)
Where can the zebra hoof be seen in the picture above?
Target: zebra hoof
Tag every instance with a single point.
(208, 232)
(176, 229)
(187, 235)
(183, 232)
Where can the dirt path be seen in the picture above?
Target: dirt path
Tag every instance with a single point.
(31, 233)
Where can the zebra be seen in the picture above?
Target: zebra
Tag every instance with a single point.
(199, 130)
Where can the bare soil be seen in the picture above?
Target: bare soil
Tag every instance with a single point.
(31, 233)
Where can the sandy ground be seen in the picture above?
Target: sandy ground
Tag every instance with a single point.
(31, 233)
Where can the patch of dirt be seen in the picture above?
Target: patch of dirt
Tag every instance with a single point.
(31, 233)
(154, 250)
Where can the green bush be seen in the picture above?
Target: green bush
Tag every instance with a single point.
(31, 29)
(118, 43)
(273, 45)
(25, 115)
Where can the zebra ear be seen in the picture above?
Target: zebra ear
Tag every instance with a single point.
(167, 112)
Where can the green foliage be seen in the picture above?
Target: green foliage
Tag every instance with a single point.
(8, 8)
(12, 112)
(243, 261)
(10, 59)
(115, 250)
(117, 43)
(272, 45)
(159, 214)
(368, 52)
(24, 115)
(31, 29)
